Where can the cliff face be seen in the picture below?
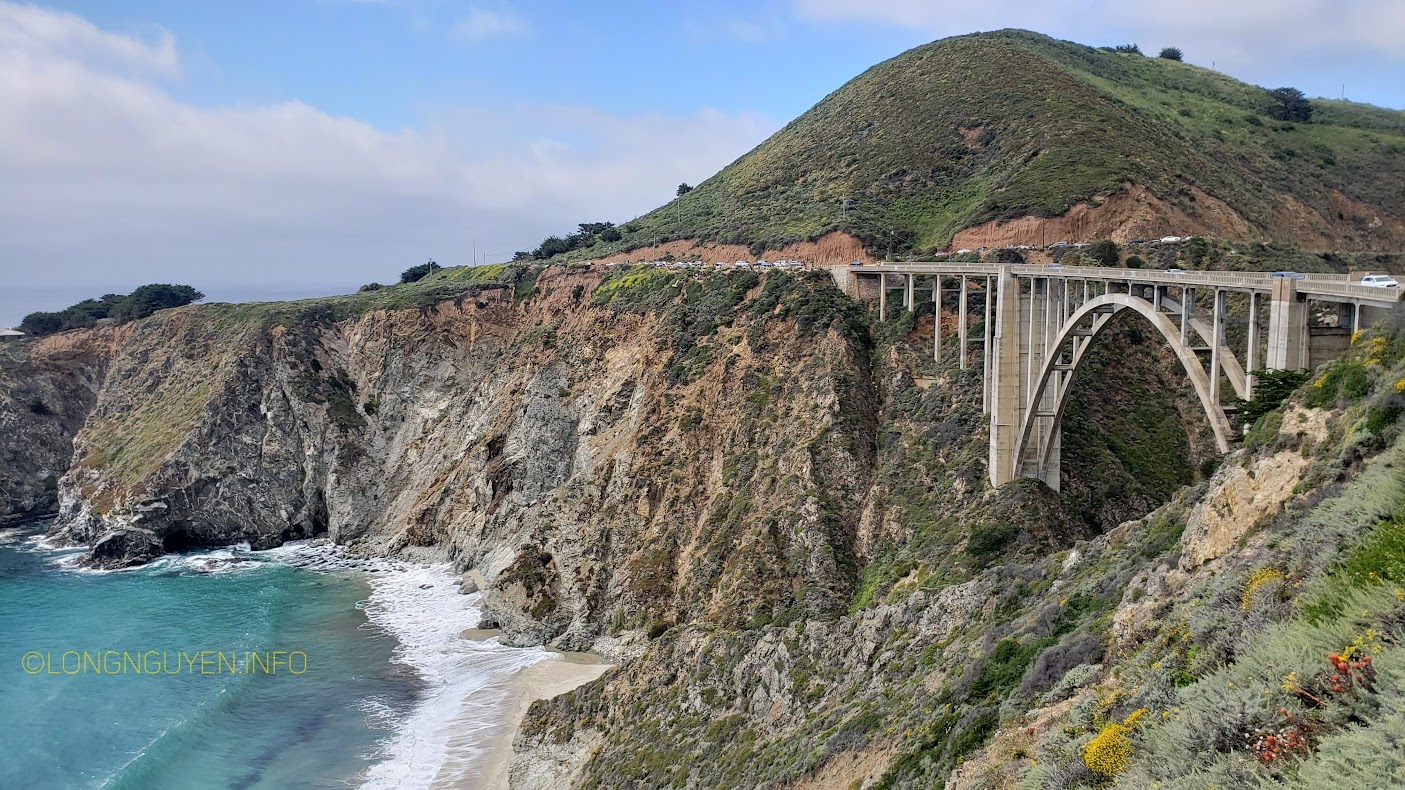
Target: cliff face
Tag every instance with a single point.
(603, 465)
(47, 389)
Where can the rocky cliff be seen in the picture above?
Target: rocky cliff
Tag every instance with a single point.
(613, 458)
(772, 510)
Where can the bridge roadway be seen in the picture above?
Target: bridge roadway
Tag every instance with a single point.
(1038, 321)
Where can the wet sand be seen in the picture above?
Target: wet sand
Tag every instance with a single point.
(542, 680)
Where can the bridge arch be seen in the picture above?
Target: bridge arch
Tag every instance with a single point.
(1058, 370)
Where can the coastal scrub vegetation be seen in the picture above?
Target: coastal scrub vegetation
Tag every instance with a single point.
(116, 308)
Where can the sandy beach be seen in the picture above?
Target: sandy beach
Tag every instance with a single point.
(542, 680)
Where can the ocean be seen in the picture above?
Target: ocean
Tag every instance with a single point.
(291, 668)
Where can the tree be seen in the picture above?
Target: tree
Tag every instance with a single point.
(41, 323)
(521, 255)
(594, 228)
(611, 234)
(1135, 262)
(1289, 104)
(1128, 49)
(416, 273)
(683, 189)
(149, 298)
(1103, 251)
(551, 245)
(1271, 389)
(1171, 53)
(138, 304)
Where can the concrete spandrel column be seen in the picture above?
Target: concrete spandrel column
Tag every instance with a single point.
(1251, 354)
(937, 328)
(882, 296)
(908, 295)
(1287, 327)
(961, 321)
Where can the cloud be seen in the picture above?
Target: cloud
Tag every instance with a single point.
(480, 24)
(1253, 34)
(110, 181)
(33, 32)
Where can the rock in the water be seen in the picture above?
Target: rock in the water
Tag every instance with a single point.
(468, 585)
(123, 548)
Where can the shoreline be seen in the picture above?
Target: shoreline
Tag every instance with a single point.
(543, 679)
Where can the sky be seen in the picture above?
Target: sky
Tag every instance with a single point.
(268, 149)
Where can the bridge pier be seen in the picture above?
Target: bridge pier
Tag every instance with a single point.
(1287, 327)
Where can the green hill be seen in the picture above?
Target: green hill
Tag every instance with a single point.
(1010, 124)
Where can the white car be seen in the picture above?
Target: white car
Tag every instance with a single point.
(1170, 239)
(1379, 281)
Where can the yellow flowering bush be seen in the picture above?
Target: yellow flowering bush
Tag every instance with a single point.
(1110, 751)
(1256, 580)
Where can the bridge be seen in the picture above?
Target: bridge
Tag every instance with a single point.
(1036, 324)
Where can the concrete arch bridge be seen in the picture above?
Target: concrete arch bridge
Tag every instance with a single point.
(1038, 322)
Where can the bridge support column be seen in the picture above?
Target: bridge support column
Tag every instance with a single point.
(1287, 327)
(986, 325)
(1005, 376)
(937, 324)
(908, 294)
(961, 321)
(1251, 354)
(1216, 339)
(882, 296)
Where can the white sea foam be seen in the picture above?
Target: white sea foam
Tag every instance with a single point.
(467, 697)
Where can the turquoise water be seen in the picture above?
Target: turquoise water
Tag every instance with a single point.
(323, 727)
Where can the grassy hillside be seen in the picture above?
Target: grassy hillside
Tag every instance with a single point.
(943, 137)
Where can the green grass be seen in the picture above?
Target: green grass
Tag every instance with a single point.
(940, 138)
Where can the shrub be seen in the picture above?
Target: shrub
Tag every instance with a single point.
(368, 287)
(416, 273)
(1109, 753)
(37, 406)
(1171, 53)
(1136, 262)
(1128, 49)
(1103, 251)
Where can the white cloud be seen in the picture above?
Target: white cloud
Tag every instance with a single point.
(1242, 33)
(41, 33)
(110, 181)
(480, 24)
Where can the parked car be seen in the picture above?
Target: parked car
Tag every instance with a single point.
(1379, 281)
(964, 252)
(1175, 271)
(1289, 275)
(855, 263)
(1170, 239)
(1058, 245)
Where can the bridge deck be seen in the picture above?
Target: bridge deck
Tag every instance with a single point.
(1326, 287)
